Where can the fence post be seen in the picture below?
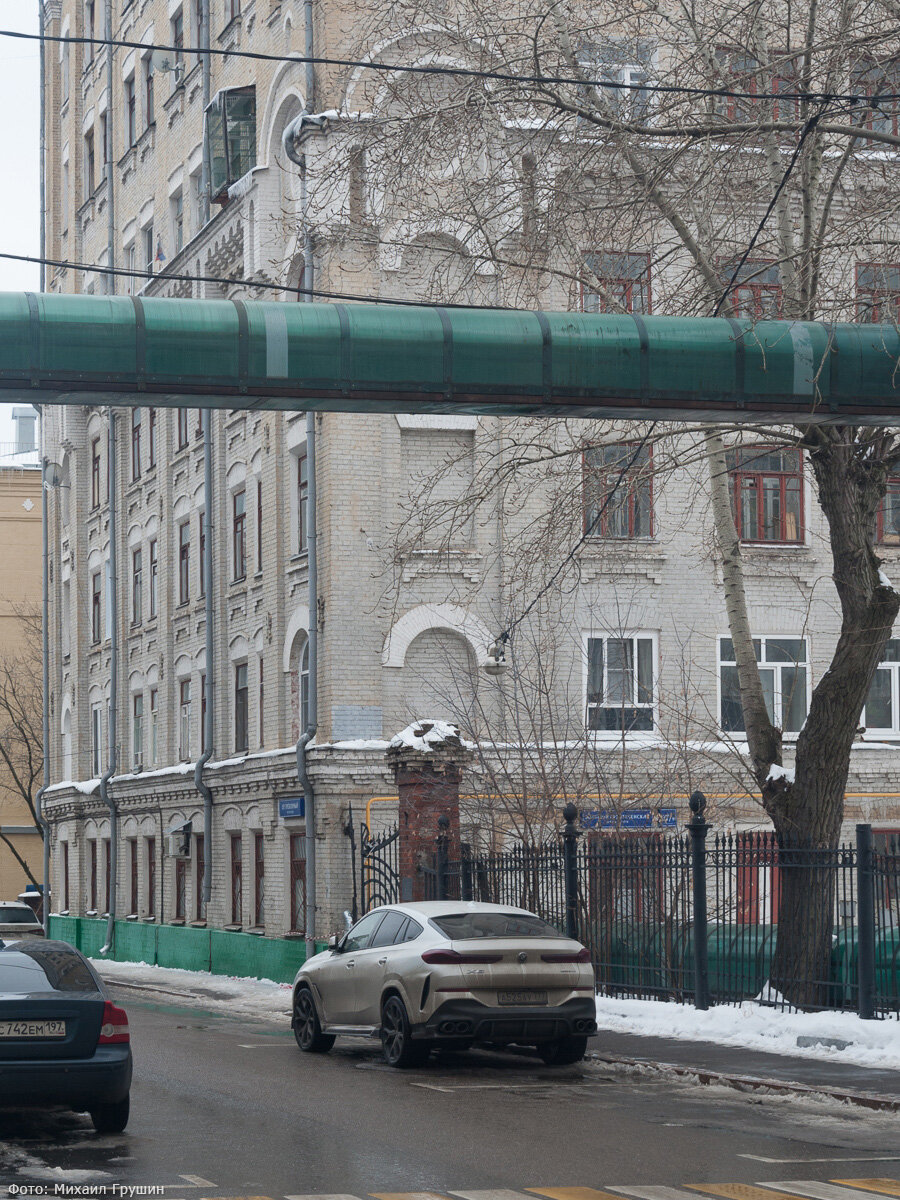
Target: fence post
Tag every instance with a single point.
(465, 871)
(441, 858)
(570, 852)
(697, 827)
(865, 908)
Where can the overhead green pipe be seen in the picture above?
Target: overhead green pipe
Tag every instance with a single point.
(370, 357)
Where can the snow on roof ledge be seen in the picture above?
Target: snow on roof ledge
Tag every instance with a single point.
(427, 737)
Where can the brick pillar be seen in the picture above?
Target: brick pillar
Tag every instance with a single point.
(427, 760)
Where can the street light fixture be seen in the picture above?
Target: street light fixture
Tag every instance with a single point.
(496, 660)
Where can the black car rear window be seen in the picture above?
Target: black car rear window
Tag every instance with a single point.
(17, 916)
(462, 926)
(24, 971)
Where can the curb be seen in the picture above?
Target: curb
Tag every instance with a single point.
(748, 1083)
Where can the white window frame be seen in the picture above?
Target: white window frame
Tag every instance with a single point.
(893, 731)
(778, 691)
(621, 635)
(96, 740)
(137, 730)
(185, 717)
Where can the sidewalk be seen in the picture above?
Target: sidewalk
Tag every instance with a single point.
(817, 1070)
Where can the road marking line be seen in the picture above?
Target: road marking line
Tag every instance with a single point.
(739, 1191)
(197, 1181)
(491, 1087)
(260, 1046)
(654, 1193)
(492, 1194)
(862, 1158)
(887, 1187)
(408, 1195)
(573, 1193)
(325, 1196)
(821, 1191)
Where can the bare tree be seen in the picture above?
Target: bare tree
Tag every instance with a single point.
(21, 739)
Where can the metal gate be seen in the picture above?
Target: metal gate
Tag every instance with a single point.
(379, 881)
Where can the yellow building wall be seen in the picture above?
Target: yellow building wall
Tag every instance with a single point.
(20, 590)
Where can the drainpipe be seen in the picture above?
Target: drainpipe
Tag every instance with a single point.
(108, 151)
(112, 601)
(205, 68)
(43, 152)
(200, 783)
(45, 655)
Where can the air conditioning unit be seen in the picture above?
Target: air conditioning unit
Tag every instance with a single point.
(178, 841)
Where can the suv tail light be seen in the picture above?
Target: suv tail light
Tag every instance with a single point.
(583, 956)
(454, 958)
(115, 1025)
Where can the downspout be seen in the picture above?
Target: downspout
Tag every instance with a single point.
(108, 151)
(45, 655)
(43, 152)
(112, 601)
(205, 69)
(308, 733)
(200, 783)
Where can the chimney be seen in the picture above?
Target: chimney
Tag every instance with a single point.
(26, 430)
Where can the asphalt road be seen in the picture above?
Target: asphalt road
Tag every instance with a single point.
(226, 1108)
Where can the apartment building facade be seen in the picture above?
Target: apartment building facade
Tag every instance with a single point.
(176, 169)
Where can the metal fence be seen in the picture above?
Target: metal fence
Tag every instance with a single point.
(694, 920)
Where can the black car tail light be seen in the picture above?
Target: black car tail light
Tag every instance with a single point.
(583, 956)
(452, 958)
(115, 1025)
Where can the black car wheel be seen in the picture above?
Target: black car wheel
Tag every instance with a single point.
(111, 1118)
(396, 1039)
(307, 1029)
(563, 1051)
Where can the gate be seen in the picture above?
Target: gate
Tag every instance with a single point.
(379, 880)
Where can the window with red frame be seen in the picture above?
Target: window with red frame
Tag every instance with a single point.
(755, 294)
(151, 876)
(767, 493)
(878, 293)
(133, 875)
(879, 83)
(200, 868)
(96, 629)
(888, 517)
(239, 534)
(135, 443)
(151, 436)
(237, 894)
(107, 878)
(741, 72)
(616, 281)
(182, 428)
(180, 887)
(298, 882)
(259, 896)
(95, 473)
(184, 562)
(93, 876)
(618, 497)
(65, 879)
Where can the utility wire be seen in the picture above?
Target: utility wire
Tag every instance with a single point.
(459, 72)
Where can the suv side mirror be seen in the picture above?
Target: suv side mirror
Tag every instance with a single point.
(334, 944)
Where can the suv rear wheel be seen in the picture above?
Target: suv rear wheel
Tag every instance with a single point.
(111, 1118)
(563, 1051)
(396, 1038)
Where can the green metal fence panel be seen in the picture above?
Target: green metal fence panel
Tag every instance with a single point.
(185, 948)
(135, 942)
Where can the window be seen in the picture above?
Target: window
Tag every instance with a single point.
(620, 684)
(65, 876)
(204, 745)
(95, 472)
(177, 206)
(149, 114)
(783, 670)
(230, 139)
(741, 72)
(767, 493)
(176, 39)
(238, 535)
(89, 9)
(887, 528)
(241, 738)
(137, 731)
(151, 876)
(154, 579)
(184, 562)
(154, 726)
(137, 586)
(622, 283)
(237, 899)
(261, 707)
(130, 113)
(882, 709)
(133, 876)
(259, 526)
(109, 608)
(302, 503)
(882, 80)
(617, 491)
(259, 897)
(304, 686)
(135, 443)
(755, 294)
(96, 741)
(182, 428)
(359, 936)
(92, 892)
(622, 62)
(298, 882)
(202, 555)
(180, 888)
(147, 235)
(232, 9)
(878, 293)
(89, 163)
(96, 623)
(199, 868)
(151, 437)
(64, 68)
(184, 720)
(103, 146)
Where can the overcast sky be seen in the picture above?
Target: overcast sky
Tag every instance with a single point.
(19, 133)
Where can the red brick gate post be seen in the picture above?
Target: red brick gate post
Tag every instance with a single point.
(427, 760)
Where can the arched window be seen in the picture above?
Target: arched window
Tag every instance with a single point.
(304, 686)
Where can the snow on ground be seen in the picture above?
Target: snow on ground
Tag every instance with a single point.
(753, 1026)
(218, 993)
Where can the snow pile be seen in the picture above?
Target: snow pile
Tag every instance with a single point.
(776, 772)
(217, 993)
(757, 1027)
(427, 736)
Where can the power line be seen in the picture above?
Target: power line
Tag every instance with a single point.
(460, 72)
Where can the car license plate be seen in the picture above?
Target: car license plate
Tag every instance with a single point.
(522, 997)
(32, 1029)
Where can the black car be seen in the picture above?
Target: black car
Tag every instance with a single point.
(62, 1040)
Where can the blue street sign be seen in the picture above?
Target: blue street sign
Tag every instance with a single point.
(292, 806)
(629, 818)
